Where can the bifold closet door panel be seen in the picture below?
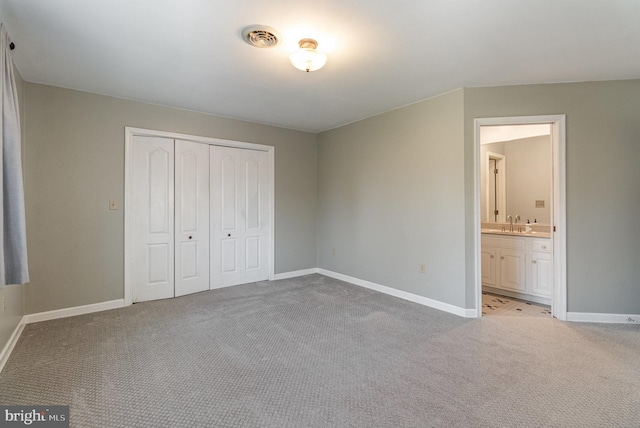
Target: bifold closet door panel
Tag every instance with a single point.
(191, 217)
(239, 216)
(152, 209)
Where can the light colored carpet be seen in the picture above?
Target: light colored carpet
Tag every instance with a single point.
(316, 352)
(495, 305)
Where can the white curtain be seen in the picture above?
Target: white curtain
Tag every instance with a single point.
(13, 251)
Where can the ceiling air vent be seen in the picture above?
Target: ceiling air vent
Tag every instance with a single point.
(261, 36)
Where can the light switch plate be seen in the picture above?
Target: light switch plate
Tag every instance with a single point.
(539, 204)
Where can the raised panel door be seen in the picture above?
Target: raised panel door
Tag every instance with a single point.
(152, 213)
(512, 269)
(541, 274)
(489, 276)
(239, 216)
(191, 217)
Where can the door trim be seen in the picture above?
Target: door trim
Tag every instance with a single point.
(559, 208)
(130, 133)
(502, 200)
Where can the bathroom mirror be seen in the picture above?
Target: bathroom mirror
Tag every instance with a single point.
(516, 176)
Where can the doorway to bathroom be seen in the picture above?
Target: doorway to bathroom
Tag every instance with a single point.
(520, 216)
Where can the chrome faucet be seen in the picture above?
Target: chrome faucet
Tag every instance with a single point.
(516, 221)
(510, 220)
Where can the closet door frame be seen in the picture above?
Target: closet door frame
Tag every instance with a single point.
(130, 133)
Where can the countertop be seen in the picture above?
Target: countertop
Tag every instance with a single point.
(530, 234)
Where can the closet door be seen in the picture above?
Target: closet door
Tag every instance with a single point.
(191, 217)
(239, 216)
(152, 218)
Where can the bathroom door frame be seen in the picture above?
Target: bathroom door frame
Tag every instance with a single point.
(558, 208)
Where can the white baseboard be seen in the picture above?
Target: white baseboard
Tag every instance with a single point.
(603, 318)
(6, 351)
(295, 273)
(52, 315)
(467, 313)
(71, 312)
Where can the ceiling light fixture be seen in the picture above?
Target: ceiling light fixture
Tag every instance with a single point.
(307, 58)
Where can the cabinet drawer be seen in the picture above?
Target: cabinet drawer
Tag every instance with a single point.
(541, 245)
(515, 243)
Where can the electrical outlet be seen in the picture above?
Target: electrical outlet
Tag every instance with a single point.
(113, 204)
(423, 268)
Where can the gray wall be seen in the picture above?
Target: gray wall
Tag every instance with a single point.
(391, 196)
(75, 164)
(393, 191)
(603, 177)
(389, 192)
(13, 295)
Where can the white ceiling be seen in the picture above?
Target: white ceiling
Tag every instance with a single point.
(383, 54)
(496, 134)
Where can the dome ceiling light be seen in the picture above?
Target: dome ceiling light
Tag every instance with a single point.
(308, 58)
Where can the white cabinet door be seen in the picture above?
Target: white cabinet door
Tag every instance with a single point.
(239, 216)
(541, 274)
(152, 218)
(512, 269)
(191, 217)
(489, 256)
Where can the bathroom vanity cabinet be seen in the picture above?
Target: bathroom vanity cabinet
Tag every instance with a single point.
(518, 266)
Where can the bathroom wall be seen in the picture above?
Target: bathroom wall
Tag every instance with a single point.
(529, 172)
(528, 177)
